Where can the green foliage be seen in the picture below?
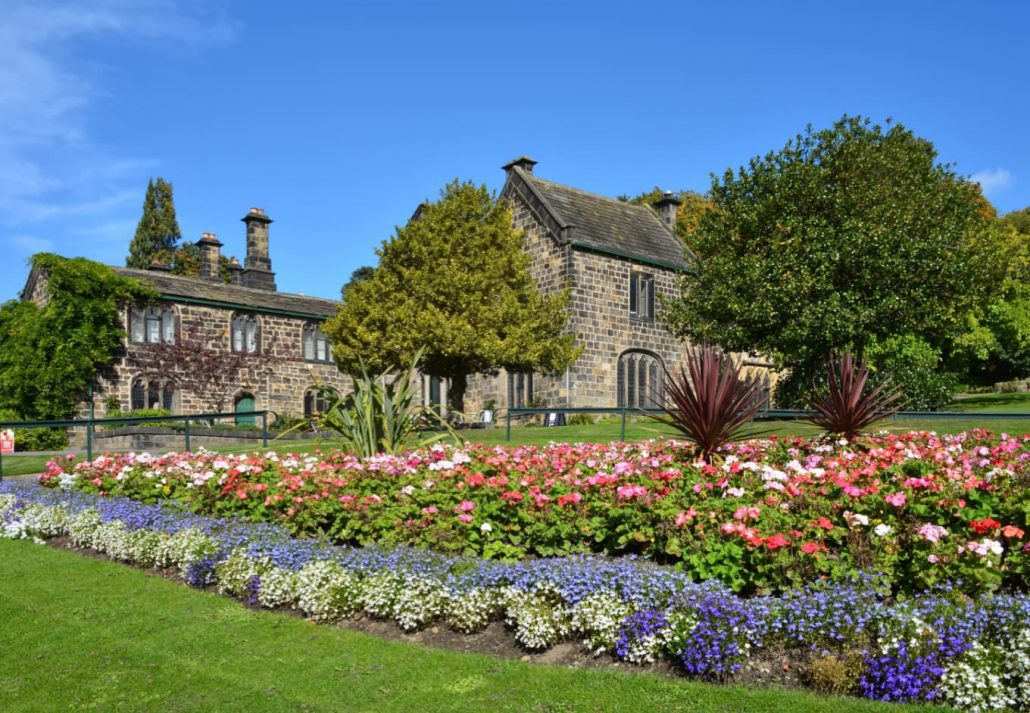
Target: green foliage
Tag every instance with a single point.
(845, 407)
(379, 416)
(359, 275)
(158, 229)
(693, 206)
(35, 439)
(185, 260)
(845, 235)
(996, 343)
(454, 282)
(49, 354)
(915, 367)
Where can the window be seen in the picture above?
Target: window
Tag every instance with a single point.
(315, 347)
(151, 395)
(151, 325)
(641, 296)
(520, 389)
(314, 402)
(640, 380)
(245, 334)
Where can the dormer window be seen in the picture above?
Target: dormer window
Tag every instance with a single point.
(246, 338)
(151, 325)
(641, 296)
(314, 346)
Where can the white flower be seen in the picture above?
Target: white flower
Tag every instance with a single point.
(486, 527)
(882, 530)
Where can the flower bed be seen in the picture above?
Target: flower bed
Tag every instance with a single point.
(938, 646)
(918, 508)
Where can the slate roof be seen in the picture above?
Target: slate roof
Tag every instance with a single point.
(607, 225)
(189, 289)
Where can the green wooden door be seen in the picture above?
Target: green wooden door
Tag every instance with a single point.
(243, 404)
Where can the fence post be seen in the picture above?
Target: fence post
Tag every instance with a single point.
(264, 429)
(622, 429)
(89, 440)
(507, 431)
(187, 432)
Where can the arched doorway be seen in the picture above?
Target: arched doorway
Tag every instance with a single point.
(245, 403)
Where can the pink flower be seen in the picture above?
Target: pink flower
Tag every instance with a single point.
(896, 499)
(683, 518)
(466, 506)
(931, 532)
(627, 492)
(431, 510)
(465, 517)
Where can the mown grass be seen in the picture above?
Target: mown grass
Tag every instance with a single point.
(638, 428)
(83, 634)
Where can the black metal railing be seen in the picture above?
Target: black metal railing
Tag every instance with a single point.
(90, 425)
(765, 415)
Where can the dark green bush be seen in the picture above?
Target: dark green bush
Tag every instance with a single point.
(40, 439)
(914, 366)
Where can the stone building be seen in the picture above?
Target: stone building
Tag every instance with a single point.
(618, 260)
(276, 337)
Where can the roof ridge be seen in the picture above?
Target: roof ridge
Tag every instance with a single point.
(590, 194)
(186, 278)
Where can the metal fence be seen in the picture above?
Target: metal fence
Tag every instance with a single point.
(91, 424)
(555, 416)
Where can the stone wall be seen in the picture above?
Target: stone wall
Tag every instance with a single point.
(280, 387)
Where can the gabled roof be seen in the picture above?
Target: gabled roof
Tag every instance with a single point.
(593, 222)
(220, 294)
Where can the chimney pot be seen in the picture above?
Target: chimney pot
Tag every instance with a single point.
(523, 162)
(666, 207)
(210, 252)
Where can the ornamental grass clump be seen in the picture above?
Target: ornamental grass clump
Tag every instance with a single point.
(711, 404)
(847, 406)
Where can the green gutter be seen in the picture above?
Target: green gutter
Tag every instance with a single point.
(629, 256)
(241, 306)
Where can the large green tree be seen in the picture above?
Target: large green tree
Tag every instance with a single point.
(50, 353)
(689, 212)
(845, 237)
(158, 230)
(454, 282)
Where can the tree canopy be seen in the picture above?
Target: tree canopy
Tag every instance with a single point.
(49, 354)
(455, 282)
(689, 212)
(158, 230)
(845, 236)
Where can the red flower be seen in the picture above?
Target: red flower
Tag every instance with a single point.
(824, 523)
(810, 548)
(982, 527)
(776, 542)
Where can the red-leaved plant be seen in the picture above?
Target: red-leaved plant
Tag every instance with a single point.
(713, 402)
(847, 406)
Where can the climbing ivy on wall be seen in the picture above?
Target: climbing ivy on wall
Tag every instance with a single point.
(49, 354)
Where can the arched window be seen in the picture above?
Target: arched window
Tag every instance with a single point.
(314, 345)
(314, 403)
(246, 335)
(151, 394)
(150, 325)
(640, 380)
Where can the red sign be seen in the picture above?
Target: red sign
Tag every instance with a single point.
(6, 442)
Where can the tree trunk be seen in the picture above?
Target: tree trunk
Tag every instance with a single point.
(456, 392)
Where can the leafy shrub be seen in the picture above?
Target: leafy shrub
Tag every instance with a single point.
(580, 419)
(711, 404)
(40, 439)
(847, 407)
(914, 367)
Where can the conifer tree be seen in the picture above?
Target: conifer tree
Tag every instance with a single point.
(158, 230)
(455, 284)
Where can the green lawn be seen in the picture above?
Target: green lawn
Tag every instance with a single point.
(83, 634)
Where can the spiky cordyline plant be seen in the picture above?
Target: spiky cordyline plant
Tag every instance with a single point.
(713, 402)
(848, 406)
(380, 415)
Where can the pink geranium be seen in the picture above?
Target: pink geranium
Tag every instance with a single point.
(898, 500)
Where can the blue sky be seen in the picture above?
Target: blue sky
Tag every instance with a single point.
(338, 118)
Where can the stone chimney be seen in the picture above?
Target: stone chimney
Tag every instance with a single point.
(158, 266)
(257, 268)
(523, 162)
(666, 207)
(235, 271)
(210, 251)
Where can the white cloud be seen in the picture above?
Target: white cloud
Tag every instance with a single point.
(50, 165)
(992, 181)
